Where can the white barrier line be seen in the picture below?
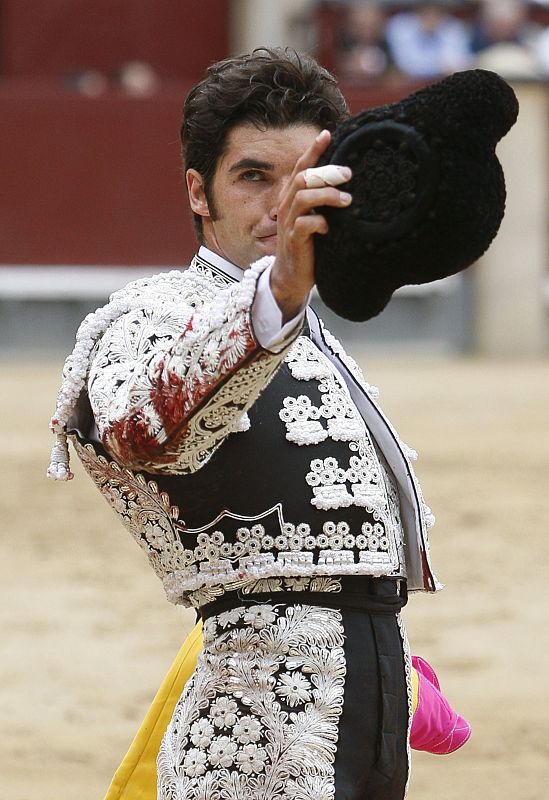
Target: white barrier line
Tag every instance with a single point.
(80, 282)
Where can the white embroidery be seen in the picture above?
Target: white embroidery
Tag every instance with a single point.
(168, 381)
(409, 691)
(285, 584)
(201, 281)
(360, 483)
(126, 340)
(365, 492)
(302, 418)
(268, 549)
(394, 510)
(259, 718)
(427, 518)
(349, 362)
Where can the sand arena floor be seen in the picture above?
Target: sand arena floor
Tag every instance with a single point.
(87, 634)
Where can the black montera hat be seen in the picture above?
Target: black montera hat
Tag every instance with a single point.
(428, 191)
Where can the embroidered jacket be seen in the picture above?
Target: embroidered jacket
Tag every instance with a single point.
(233, 465)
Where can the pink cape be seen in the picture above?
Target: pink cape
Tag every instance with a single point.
(436, 727)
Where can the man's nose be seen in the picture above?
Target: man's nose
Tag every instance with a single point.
(274, 204)
(273, 211)
(277, 196)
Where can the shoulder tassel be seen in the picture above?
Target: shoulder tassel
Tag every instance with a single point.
(58, 469)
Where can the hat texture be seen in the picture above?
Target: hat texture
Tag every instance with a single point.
(428, 191)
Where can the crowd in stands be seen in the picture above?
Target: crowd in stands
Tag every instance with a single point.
(429, 40)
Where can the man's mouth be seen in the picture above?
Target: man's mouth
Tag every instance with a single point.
(268, 242)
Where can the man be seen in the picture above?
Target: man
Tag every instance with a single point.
(428, 41)
(248, 457)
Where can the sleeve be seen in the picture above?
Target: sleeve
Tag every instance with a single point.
(168, 383)
(267, 318)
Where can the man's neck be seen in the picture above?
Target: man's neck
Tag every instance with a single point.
(220, 263)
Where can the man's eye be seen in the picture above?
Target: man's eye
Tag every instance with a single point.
(251, 175)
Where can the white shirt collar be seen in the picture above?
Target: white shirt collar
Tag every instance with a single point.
(219, 263)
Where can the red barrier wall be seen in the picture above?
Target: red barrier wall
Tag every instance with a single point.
(91, 181)
(98, 180)
(179, 38)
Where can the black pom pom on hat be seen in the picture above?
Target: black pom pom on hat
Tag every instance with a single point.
(428, 191)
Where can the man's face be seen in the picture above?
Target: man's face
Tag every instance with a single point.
(240, 221)
(431, 17)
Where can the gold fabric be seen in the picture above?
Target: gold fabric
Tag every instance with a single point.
(135, 778)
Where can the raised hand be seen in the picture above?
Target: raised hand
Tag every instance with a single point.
(292, 274)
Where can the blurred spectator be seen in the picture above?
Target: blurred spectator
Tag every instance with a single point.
(428, 42)
(89, 82)
(364, 51)
(502, 21)
(137, 78)
(504, 39)
(134, 77)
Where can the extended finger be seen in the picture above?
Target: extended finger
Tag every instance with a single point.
(312, 153)
(329, 175)
(305, 162)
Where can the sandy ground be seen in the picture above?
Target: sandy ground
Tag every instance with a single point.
(87, 634)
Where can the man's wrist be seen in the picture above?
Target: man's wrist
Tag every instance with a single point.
(290, 300)
(271, 332)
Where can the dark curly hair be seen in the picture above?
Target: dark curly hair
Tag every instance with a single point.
(270, 88)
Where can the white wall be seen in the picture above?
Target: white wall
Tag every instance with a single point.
(277, 23)
(510, 281)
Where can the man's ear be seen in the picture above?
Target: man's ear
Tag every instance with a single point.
(197, 195)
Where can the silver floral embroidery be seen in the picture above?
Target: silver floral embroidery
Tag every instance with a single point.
(394, 509)
(259, 718)
(180, 568)
(409, 691)
(189, 347)
(199, 573)
(427, 516)
(359, 483)
(301, 584)
(303, 419)
(349, 362)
